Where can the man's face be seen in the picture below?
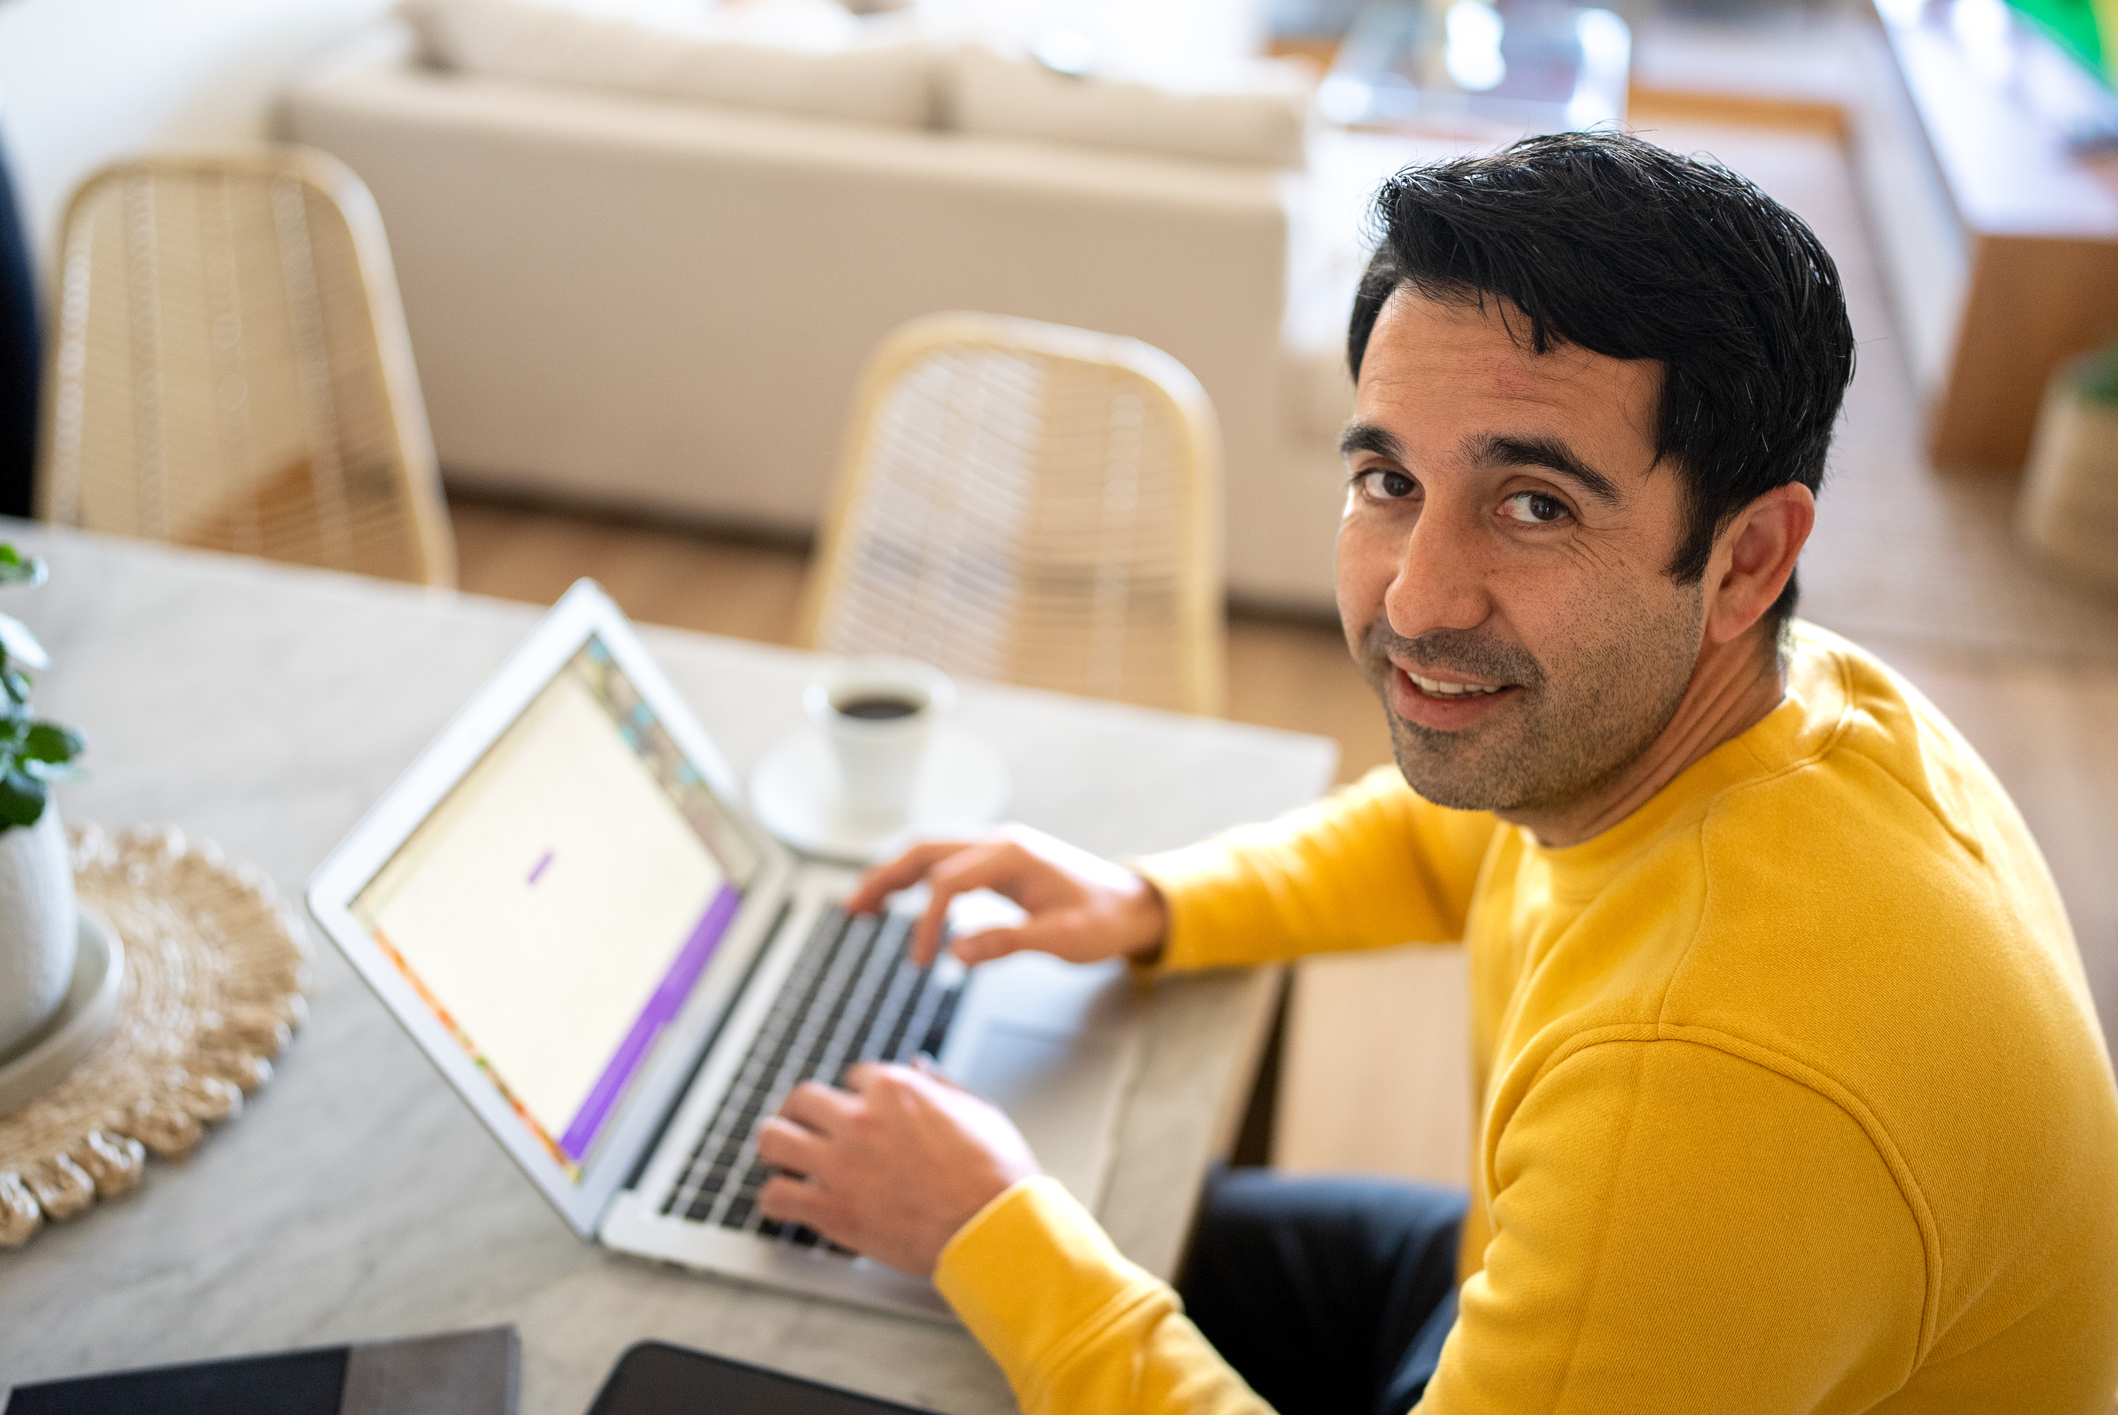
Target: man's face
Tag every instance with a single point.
(1502, 560)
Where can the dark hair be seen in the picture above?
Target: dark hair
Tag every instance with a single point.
(1623, 248)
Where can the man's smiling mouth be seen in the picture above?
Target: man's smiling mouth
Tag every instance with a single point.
(1448, 680)
(1435, 688)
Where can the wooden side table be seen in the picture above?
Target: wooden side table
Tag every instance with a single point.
(2015, 267)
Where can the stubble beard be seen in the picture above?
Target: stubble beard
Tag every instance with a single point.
(1566, 732)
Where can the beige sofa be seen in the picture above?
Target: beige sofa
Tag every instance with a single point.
(638, 302)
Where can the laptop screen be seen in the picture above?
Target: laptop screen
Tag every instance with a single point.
(559, 905)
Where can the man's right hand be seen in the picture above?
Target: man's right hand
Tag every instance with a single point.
(1081, 908)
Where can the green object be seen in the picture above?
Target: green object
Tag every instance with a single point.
(33, 753)
(2097, 375)
(2074, 27)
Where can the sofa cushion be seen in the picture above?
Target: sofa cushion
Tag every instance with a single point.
(1255, 113)
(797, 58)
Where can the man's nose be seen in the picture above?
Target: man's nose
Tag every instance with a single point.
(1443, 576)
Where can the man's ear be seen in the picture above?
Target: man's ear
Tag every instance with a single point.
(1753, 556)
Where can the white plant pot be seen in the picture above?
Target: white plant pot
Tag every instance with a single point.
(37, 927)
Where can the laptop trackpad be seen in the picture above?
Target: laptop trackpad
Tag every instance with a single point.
(1065, 1093)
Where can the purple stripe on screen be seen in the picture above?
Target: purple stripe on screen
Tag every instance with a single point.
(538, 868)
(676, 985)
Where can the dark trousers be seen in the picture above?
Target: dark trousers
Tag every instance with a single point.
(1330, 1293)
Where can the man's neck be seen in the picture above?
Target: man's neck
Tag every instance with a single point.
(1733, 687)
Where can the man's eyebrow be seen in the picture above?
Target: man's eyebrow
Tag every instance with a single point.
(1546, 452)
(1368, 437)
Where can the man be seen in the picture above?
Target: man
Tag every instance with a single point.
(1790, 1092)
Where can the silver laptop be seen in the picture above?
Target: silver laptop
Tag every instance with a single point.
(566, 904)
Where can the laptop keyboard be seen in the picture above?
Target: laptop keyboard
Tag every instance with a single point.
(851, 996)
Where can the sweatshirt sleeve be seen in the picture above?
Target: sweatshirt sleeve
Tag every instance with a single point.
(1369, 866)
(1678, 1229)
(1073, 1324)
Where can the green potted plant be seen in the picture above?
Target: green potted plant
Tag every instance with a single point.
(2069, 507)
(37, 914)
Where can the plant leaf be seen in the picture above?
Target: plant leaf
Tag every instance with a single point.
(51, 743)
(19, 569)
(21, 798)
(17, 685)
(21, 644)
(2098, 373)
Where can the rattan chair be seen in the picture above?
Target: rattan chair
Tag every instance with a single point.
(1029, 503)
(229, 368)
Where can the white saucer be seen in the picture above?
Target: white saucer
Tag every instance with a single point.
(794, 790)
(85, 1018)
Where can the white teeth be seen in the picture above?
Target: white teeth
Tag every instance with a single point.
(1439, 689)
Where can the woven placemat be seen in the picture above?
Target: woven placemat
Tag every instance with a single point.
(215, 972)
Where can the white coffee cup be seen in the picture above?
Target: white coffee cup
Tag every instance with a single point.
(879, 716)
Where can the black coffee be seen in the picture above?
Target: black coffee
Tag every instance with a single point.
(878, 707)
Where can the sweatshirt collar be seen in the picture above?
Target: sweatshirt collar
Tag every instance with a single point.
(1809, 710)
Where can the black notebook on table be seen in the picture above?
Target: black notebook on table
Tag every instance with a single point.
(457, 1373)
(655, 1378)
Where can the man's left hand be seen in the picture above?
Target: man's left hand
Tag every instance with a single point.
(891, 1167)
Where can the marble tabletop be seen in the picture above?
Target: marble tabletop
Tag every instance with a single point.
(265, 708)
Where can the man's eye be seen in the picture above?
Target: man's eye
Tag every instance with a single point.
(1388, 486)
(1535, 508)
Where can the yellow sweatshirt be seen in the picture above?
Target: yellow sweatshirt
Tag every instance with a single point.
(1791, 1096)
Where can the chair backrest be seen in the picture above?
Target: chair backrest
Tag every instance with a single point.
(229, 367)
(1030, 503)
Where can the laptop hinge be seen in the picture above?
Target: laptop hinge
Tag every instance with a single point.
(676, 1099)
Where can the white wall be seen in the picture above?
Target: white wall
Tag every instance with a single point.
(84, 81)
